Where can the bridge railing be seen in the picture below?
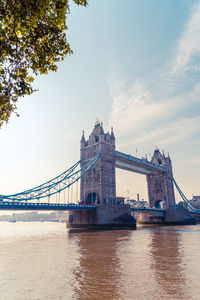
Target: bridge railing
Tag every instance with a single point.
(16, 205)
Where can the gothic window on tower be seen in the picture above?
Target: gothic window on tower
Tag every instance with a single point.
(91, 152)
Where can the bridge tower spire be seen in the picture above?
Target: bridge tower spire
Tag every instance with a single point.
(99, 183)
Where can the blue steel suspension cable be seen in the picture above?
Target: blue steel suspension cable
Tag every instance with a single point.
(42, 186)
(184, 198)
(39, 187)
(31, 196)
(48, 188)
(182, 195)
(82, 171)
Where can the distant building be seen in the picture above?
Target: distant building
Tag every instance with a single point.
(132, 202)
(114, 200)
(182, 204)
(138, 204)
(34, 216)
(195, 201)
(195, 198)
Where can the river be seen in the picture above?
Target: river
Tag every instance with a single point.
(45, 261)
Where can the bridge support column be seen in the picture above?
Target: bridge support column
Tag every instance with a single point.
(146, 219)
(179, 217)
(160, 185)
(78, 218)
(104, 217)
(171, 217)
(98, 184)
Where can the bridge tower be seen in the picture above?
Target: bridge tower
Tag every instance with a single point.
(160, 186)
(99, 183)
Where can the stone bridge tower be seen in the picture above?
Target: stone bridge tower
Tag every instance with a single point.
(98, 184)
(160, 185)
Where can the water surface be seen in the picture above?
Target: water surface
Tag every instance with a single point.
(44, 261)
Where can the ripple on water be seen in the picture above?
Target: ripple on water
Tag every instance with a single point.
(44, 261)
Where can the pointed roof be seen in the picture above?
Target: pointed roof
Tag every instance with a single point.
(112, 134)
(83, 137)
(157, 157)
(98, 128)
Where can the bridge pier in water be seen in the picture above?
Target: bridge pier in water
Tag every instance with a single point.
(171, 217)
(104, 217)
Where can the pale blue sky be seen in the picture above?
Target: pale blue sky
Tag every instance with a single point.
(135, 66)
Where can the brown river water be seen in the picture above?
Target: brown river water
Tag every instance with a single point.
(44, 261)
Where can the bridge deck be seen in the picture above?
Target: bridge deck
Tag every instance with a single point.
(137, 165)
(43, 206)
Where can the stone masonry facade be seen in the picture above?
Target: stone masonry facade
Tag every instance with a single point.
(160, 186)
(99, 182)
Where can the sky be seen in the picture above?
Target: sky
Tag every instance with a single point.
(136, 67)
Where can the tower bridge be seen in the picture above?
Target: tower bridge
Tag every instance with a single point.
(96, 171)
(99, 183)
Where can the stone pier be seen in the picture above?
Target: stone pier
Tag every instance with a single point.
(179, 217)
(172, 217)
(104, 217)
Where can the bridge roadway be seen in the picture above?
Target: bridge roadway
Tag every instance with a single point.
(136, 165)
(8, 205)
(14, 205)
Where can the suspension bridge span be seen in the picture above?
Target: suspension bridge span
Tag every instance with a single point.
(88, 188)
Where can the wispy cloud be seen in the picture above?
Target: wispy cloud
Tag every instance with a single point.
(135, 110)
(176, 132)
(188, 45)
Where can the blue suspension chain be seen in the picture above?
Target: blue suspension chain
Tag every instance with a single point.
(192, 207)
(66, 179)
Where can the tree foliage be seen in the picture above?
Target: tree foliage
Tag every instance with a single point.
(32, 41)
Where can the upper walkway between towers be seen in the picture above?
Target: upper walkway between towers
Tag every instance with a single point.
(135, 164)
